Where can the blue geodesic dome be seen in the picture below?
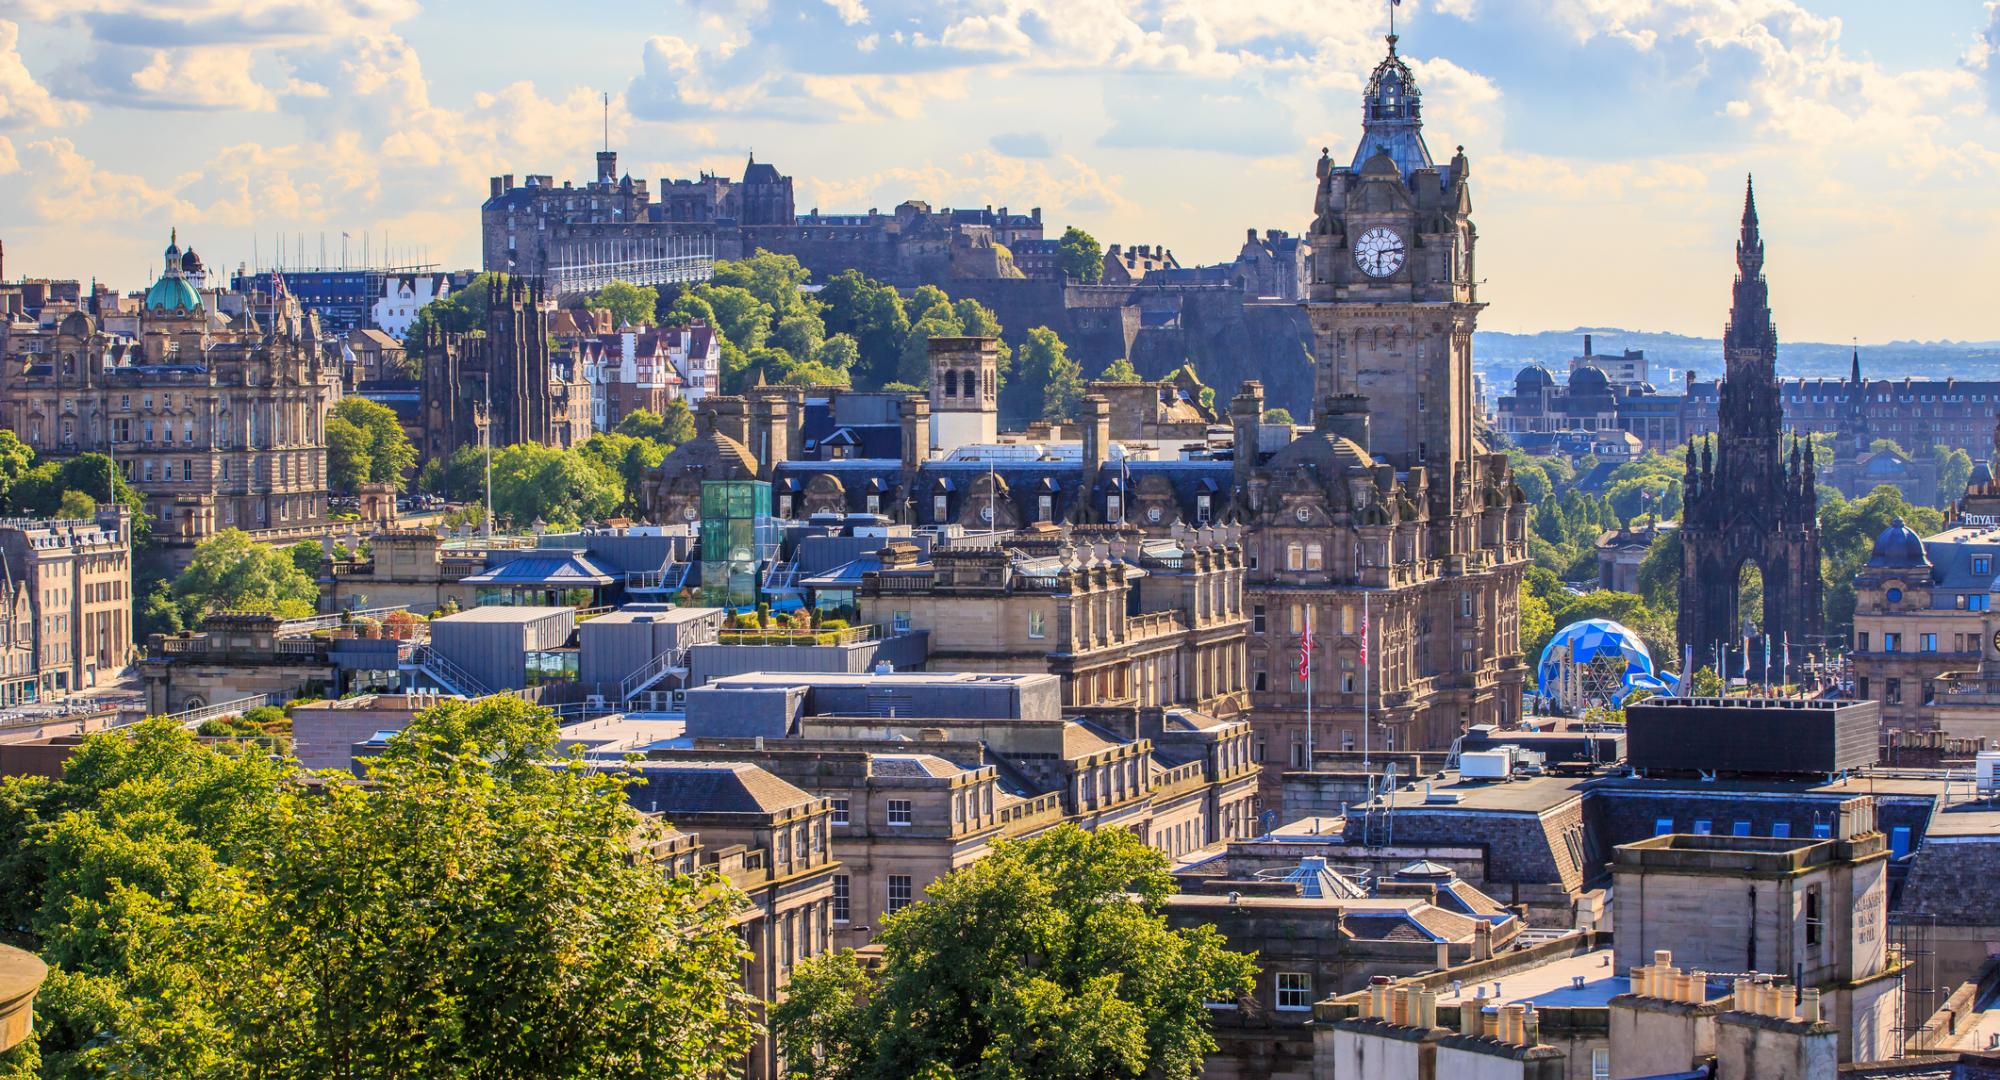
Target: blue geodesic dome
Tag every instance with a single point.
(1592, 639)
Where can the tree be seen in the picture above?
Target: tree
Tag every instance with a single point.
(461, 311)
(839, 351)
(385, 455)
(559, 487)
(1080, 256)
(1889, 446)
(460, 477)
(1538, 625)
(1707, 683)
(629, 304)
(874, 316)
(307, 555)
(1847, 534)
(199, 907)
(1954, 471)
(1121, 370)
(1050, 958)
(1048, 370)
(739, 315)
(1278, 416)
(688, 309)
(347, 460)
(76, 506)
(629, 458)
(669, 430)
(232, 572)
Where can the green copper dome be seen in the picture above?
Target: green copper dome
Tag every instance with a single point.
(173, 292)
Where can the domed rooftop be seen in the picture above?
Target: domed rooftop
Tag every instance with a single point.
(1898, 546)
(1532, 379)
(714, 455)
(1326, 453)
(1982, 474)
(190, 262)
(173, 292)
(1588, 379)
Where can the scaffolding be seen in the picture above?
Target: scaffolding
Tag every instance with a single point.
(584, 265)
(1910, 941)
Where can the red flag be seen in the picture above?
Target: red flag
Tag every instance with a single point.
(1364, 633)
(1306, 649)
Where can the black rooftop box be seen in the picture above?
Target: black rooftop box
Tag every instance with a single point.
(1751, 736)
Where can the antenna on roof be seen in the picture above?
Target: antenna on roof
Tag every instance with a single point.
(607, 120)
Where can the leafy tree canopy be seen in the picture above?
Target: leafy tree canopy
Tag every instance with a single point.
(629, 304)
(1278, 416)
(1080, 256)
(1050, 958)
(468, 913)
(232, 572)
(1120, 370)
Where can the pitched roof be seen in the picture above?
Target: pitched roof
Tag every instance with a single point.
(722, 787)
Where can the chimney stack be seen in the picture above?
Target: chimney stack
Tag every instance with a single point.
(1586, 345)
(1096, 417)
(1246, 418)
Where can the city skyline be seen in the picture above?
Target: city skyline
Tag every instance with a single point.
(1608, 140)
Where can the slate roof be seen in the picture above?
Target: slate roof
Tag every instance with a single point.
(570, 569)
(913, 765)
(723, 787)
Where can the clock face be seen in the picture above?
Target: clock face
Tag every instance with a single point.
(1154, 514)
(1303, 514)
(1379, 252)
(1996, 641)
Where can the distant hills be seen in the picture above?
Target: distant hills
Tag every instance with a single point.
(1501, 355)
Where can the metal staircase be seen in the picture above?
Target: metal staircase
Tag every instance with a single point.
(673, 661)
(446, 674)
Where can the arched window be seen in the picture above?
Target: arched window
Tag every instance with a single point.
(1295, 556)
(1315, 557)
(951, 384)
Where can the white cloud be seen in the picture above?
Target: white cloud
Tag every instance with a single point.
(23, 101)
(9, 161)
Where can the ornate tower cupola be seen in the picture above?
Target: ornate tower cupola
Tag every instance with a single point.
(1392, 120)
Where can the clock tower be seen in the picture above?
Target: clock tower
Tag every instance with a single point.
(1393, 300)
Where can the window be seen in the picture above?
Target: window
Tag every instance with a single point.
(1201, 508)
(1257, 618)
(1893, 594)
(1037, 625)
(1600, 1064)
(901, 621)
(843, 910)
(1465, 605)
(1741, 828)
(874, 504)
(899, 811)
(1703, 827)
(839, 811)
(1979, 602)
(1259, 682)
(1861, 685)
(1892, 691)
(784, 848)
(1892, 642)
(900, 893)
(1295, 990)
(1295, 556)
(1899, 841)
(1815, 918)
(1315, 557)
(1045, 507)
(1781, 829)
(1929, 642)
(1982, 564)
(940, 507)
(1114, 509)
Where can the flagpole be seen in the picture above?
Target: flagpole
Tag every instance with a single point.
(1364, 684)
(1305, 659)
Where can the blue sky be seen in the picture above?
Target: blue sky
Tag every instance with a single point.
(1608, 138)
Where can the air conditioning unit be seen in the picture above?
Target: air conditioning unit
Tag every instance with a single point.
(1486, 764)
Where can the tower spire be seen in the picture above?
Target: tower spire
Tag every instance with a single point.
(1750, 246)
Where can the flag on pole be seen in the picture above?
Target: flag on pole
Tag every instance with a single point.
(1306, 648)
(1364, 632)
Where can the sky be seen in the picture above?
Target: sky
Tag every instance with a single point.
(1609, 139)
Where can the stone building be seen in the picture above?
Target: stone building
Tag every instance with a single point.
(220, 422)
(1127, 623)
(1922, 608)
(1746, 499)
(504, 379)
(235, 655)
(772, 842)
(65, 605)
(1388, 519)
(927, 788)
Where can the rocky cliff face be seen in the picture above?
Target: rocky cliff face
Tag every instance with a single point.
(1161, 328)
